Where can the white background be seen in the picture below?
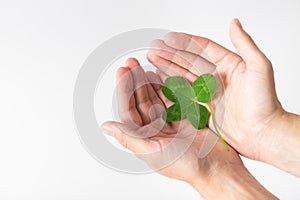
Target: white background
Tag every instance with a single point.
(42, 47)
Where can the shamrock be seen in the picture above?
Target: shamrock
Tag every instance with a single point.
(191, 101)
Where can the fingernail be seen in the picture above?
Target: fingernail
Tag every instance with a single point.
(238, 23)
(108, 130)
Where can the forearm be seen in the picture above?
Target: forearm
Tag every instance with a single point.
(231, 182)
(281, 144)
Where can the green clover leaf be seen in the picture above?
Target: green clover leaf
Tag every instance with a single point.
(205, 87)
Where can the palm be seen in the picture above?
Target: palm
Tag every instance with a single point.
(176, 150)
(249, 108)
(199, 160)
(242, 99)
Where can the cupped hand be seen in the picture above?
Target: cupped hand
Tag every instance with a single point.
(250, 105)
(175, 150)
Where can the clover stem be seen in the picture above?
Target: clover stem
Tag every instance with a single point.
(215, 126)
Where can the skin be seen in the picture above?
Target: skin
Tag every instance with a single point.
(216, 175)
(255, 123)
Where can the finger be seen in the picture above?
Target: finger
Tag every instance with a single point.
(162, 76)
(190, 61)
(157, 104)
(142, 98)
(159, 48)
(155, 78)
(126, 101)
(170, 68)
(244, 44)
(183, 59)
(115, 129)
(204, 47)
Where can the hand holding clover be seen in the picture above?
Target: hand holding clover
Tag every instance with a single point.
(140, 93)
(205, 164)
(255, 124)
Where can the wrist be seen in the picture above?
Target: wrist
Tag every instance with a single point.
(231, 182)
(280, 143)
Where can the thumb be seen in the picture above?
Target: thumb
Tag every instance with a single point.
(121, 132)
(244, 44)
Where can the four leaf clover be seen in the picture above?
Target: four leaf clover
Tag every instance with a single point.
(191, 101)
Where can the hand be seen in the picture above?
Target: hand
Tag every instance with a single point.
(218, 175)
(144, 131)
(251, 106)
